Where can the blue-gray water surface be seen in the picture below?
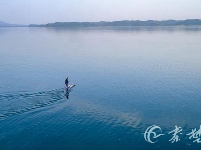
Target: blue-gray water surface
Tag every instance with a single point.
(127, 79)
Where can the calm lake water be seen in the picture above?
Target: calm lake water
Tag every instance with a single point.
(127, 79)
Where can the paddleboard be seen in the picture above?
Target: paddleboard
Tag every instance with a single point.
(70, 87)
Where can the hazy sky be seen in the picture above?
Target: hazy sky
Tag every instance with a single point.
(44, 11)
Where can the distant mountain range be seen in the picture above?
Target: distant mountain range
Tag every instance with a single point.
(188, 22)
(123, 23)
(4, 24)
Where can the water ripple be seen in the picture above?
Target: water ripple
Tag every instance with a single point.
(18, 103)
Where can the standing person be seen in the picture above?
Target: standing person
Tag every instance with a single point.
(66, 83)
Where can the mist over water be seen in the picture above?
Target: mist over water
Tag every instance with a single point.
(127, 79)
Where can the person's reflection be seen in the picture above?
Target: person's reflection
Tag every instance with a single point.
(67, 95)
